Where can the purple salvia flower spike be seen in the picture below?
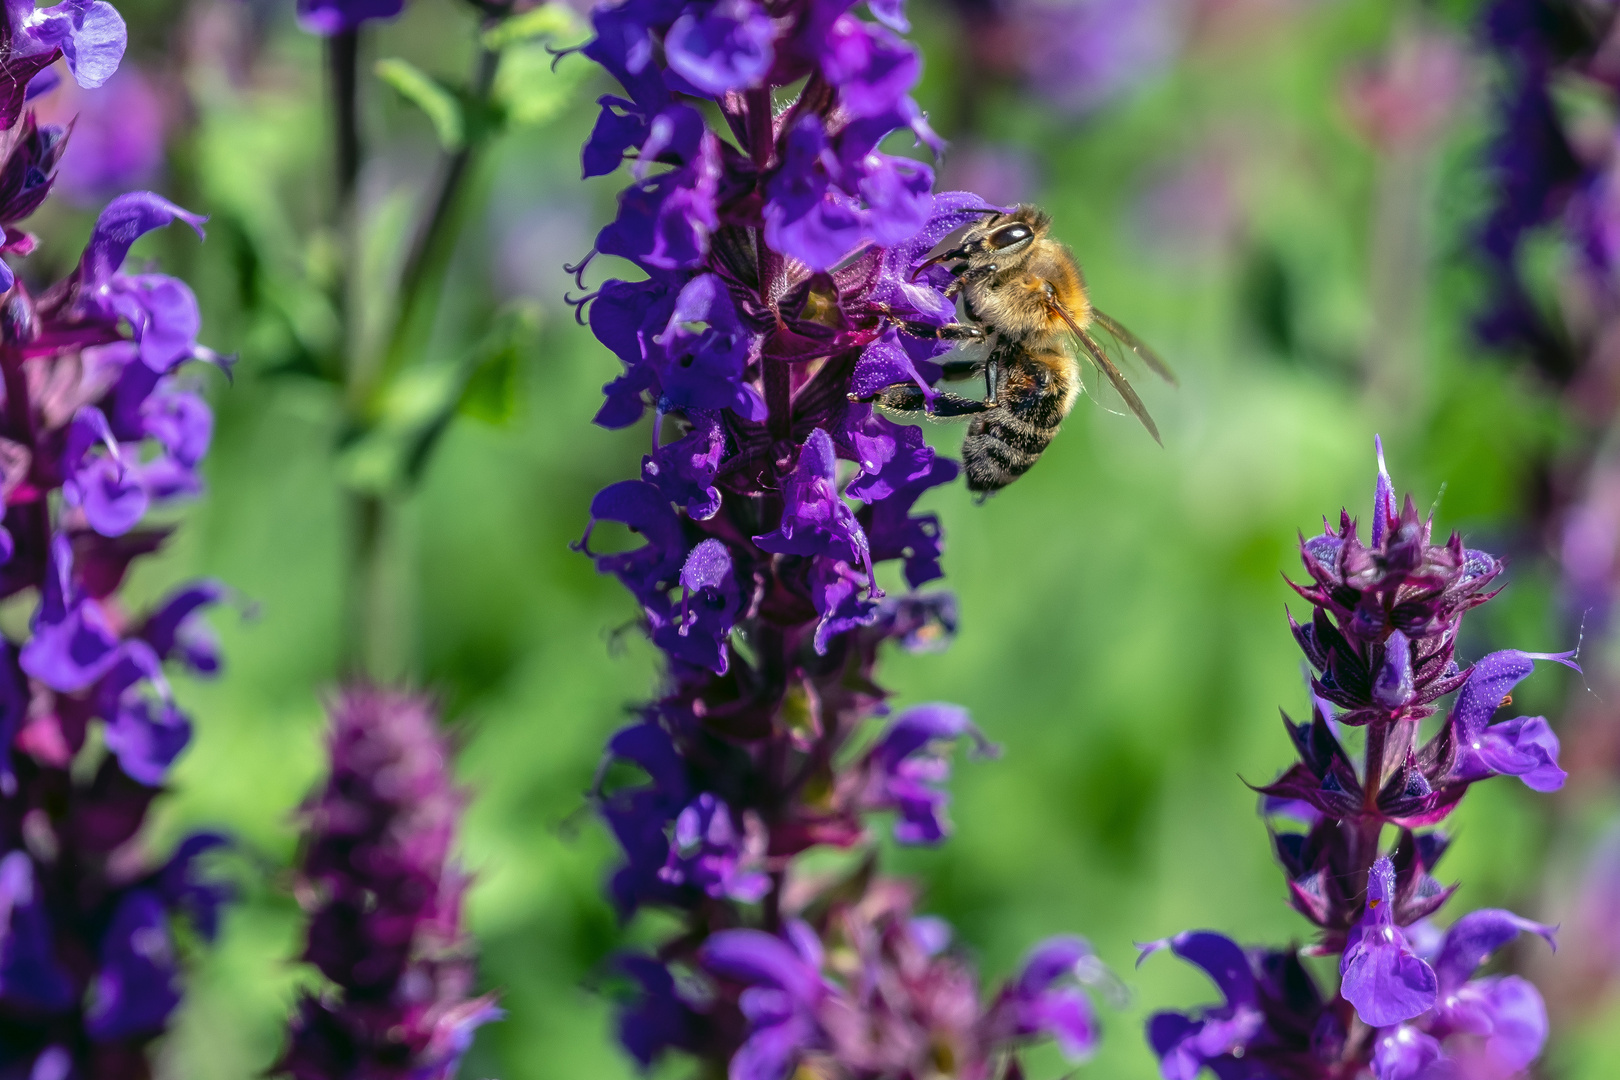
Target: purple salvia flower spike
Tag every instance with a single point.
(1381, 641)
(782, 280)
(386, 926)
(86, 447)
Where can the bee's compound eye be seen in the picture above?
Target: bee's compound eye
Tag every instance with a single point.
(1009, 235)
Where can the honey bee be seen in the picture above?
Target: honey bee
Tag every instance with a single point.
(1026, 305)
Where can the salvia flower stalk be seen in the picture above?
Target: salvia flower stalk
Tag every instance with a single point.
(99, 425)
(384, 896)
(1409, 1006)
(784, 259)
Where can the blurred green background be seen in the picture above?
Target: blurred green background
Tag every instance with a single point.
(1122, 608)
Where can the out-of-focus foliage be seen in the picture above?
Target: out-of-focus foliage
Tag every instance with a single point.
(1122, 632)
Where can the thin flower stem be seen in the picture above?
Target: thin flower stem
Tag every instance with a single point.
(368, 519)
(431, 250)
(367, 628)
(342, 64)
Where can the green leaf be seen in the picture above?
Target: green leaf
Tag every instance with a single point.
(491, 393)
(419, 403)
(435, 99)
(546, 21)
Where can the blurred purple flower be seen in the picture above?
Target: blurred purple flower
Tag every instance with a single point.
(329, 17)
(1078, 54)
(1004, 174)
(119, 129)
(385, 897)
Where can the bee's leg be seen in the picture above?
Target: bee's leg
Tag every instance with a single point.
(991, 378)
(967, 276)
(907, 397)
(955, 331)
(961, 369)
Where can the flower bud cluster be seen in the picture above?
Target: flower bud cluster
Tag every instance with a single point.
(98, 426)
(785, 279)
(384, 897)
(1381, 641)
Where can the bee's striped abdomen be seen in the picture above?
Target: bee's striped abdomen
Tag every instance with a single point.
(1005, 442)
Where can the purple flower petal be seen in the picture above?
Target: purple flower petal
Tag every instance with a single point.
(1473, 938)
(1382, 977)
(135, 989)
(125, 220)
(1405, 1053)
(726, 48)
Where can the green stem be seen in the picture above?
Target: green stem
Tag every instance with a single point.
(343, 73)
(433, 246)
(373, 644)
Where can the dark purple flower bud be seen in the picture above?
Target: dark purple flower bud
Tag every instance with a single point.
(386, 897)
(1363, 596)
(1384, 978)
(1392, 688)
(30, 153)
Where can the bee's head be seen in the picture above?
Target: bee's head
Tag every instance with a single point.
(999, 238)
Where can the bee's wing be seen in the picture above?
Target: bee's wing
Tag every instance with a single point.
(1099, 356)
(1136, 345)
